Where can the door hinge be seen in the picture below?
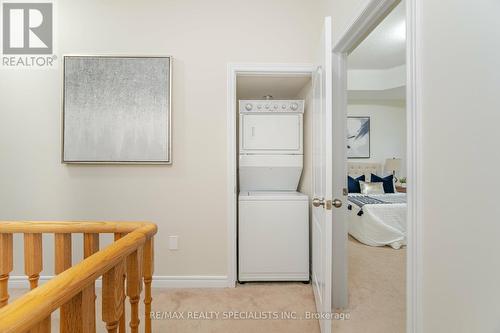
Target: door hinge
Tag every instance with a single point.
(328, 205)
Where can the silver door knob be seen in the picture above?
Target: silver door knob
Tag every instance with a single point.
(337, 203)
(318, 202)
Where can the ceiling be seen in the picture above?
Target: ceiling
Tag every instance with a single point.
(395, 94)
(278, 86)
(385, 47)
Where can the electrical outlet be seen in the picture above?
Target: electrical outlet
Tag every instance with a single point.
(173, 242)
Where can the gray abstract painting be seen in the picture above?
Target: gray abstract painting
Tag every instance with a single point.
(358, 137)
(116, 109)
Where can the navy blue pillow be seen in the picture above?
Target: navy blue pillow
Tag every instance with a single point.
(388, 182)
(353, 184)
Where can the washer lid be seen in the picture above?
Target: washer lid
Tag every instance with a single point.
(272, 195)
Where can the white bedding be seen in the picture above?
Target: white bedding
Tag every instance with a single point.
(380, 224)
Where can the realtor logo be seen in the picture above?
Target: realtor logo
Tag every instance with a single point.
(27, 30)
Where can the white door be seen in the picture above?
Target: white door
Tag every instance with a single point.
(339, 189)
(321, 239)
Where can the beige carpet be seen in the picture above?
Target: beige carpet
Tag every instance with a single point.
(376, 291)
(248, 298)
(251, 299)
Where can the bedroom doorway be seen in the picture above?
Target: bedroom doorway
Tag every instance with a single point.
(371, 108)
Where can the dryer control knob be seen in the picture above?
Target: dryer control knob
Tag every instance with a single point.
(267, 106)
(294, 106)
(248, 107)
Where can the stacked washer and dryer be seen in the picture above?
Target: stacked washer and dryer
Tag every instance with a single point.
(273, 217)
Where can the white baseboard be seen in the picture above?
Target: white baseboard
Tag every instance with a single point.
(21, 281)
(190, 281)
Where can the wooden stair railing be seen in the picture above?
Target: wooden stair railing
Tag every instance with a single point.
(124, 266)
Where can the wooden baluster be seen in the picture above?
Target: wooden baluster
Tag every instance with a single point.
(33, 265)
(134, 286)
(72, 315)
(148, 268)
(122, 326)
(62, 263)
(42, 327)
(33, 262)
(90, 246)
(6, 265)
(112, 297)
(76, 315)
(63, 252)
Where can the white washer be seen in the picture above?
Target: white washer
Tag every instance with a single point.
(273, 232)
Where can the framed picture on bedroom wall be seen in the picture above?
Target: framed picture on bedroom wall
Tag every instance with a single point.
(358, 137)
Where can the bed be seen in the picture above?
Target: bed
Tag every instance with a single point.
(376, 219)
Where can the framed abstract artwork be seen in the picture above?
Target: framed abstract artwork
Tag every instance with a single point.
(358, 137)
(117, 109)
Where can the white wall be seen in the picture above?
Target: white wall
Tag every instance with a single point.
(387, 131)
(458, 64)
(188, 198)
(343, 12)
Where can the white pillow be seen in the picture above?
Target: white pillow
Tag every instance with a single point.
(371, 188)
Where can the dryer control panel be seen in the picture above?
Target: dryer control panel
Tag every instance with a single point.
(266, 106)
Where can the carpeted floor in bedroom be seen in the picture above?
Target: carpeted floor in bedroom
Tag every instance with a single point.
(376, 292)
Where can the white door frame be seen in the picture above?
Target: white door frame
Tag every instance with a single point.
(233, 70)
(374, 12)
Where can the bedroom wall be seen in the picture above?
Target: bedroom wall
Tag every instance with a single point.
(387, 131)
(188, 198)
(458, 65)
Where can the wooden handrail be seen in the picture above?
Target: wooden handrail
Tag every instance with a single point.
(73, 227)
(39, 303)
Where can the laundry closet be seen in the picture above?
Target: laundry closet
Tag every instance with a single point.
(274, 177)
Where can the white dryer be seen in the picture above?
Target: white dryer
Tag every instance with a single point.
(271, 127)
(271, 145)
